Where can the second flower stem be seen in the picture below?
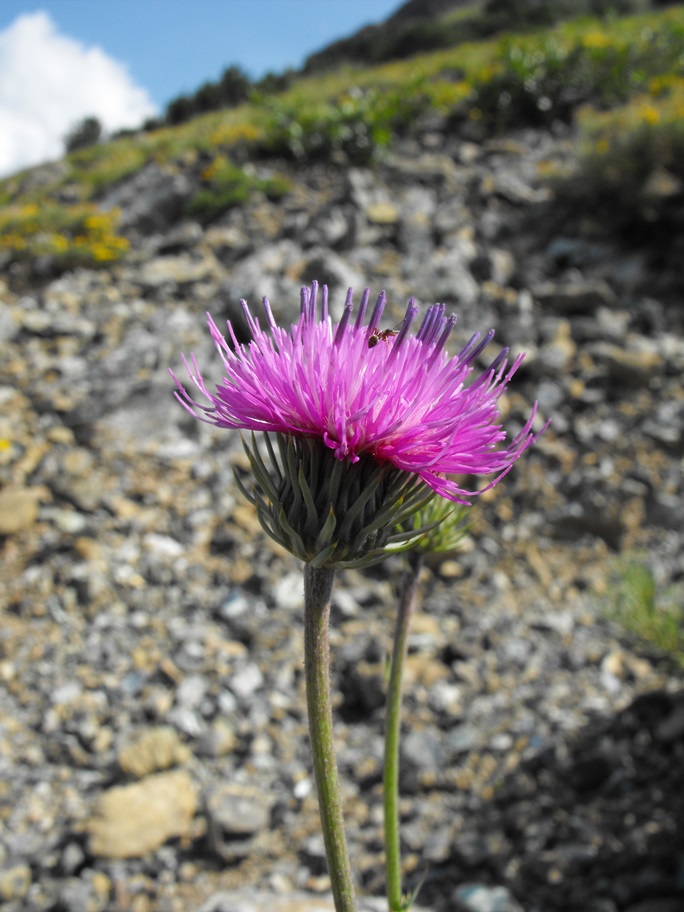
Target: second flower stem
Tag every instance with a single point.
(317, 594)
(407, 602)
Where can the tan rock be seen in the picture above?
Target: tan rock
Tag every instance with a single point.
(661, 185)
(561, 349)
(15, 882)
(153, 750)
(382, 213)
(180, 270)
(18, 509)
(424, 670)
(634, 367)
(132, 820)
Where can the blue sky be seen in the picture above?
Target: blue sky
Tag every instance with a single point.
(124, 60)
(172, 46)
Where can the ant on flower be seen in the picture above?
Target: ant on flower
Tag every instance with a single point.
(382, 335)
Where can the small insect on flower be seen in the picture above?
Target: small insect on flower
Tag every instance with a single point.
(382, 335)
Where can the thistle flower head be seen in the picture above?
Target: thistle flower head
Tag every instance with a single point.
(391, 400)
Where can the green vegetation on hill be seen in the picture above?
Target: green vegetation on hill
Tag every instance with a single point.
(428, 25)
(224, 185)
(621, 79)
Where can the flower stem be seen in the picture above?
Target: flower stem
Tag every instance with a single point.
(407, 602)
(317, 592)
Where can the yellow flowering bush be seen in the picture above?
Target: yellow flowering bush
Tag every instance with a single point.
(546, 76)
(231, 134)
(445, 95)
(596, 40)
(633, 155)
(72, 234)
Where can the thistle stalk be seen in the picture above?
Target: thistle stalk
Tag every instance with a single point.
(317, 593)
(396, 900)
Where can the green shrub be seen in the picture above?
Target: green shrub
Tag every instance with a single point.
(538, 80)
(353, 129)
(100, 166)
(231, 90)
(224, 185)
(272, 84)
(516, 14)
(631, 159)
(656, 619)
(86, 132)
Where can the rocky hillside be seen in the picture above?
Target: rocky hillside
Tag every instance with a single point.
(153, 752)
(426, 25)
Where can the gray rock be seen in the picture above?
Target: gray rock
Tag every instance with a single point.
(480, 898)
(464, 738)
(267, 274)
(246, 681)
(236, 811)
(85, 895)
(150, 201)
(261, 901)
(574, 297)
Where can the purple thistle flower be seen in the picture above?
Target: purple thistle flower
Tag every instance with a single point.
(397, 398)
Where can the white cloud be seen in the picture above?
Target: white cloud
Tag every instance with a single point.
(48, 83)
